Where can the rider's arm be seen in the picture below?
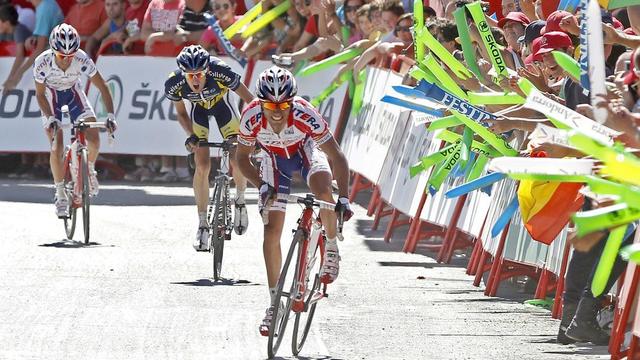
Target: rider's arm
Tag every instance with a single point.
(340, 165)
(98, 81)
(243, 159)
(244, 93)
(183, 117)
(41, 96)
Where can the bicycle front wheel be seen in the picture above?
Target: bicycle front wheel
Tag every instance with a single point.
(85, 194)
(303, 319)
(285, 288)
(69, 222)
(217, 230)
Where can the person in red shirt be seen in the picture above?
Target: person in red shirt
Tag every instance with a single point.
(224, 11)
(159, 27)
(86, 16)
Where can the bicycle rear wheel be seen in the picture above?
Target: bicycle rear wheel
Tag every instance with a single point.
(85, 194)
(69, 222)
(303, 319)
(217, 230)
(285, 287)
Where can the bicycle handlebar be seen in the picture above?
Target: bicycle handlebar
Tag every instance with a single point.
(225, 145)
(307, 201)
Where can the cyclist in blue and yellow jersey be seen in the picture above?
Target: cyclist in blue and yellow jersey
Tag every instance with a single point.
(205, 82)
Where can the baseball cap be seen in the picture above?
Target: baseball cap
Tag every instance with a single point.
(514, 16)
(531, 32)
(553, 40)
(630, 77)
(535, 47)
(553, 21)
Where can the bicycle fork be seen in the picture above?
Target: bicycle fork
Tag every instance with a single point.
(306, 263)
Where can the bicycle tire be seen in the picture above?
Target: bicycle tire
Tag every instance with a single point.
(280, 321)
(86, 201)
(217, 232)
(69, 222)
(298, 339)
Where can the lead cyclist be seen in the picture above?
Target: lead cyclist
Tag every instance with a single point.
(57, 72)
(294, 138)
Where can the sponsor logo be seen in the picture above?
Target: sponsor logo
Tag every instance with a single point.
(114, 83)
(483, 26)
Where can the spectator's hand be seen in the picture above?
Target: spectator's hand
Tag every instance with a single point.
(178, 36)
(585, 109)
(570, 25)
(10, 84)
(148, 45)
(315, 7)
(387, 47)
(329, 6)
(528, 7)
(551, 150)
(535, 74)
(484, 66)
(499, 125)
(611, 35)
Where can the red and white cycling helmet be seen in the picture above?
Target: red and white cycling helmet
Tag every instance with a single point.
(276, 84)
(64, 39)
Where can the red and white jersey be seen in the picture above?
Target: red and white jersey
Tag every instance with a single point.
(304, 121)
(45, 70)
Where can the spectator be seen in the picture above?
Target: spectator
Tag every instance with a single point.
(351, 20)
(112, 29)
(86, 16)
(134, 17)
(48, 15)
(159, 27)
(513, 25)
(26, 14)
(531, 32)
(224, 11)
(17, 32)
(447, 34)
(390, 12)
(193, 21)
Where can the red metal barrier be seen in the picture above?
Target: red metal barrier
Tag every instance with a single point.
(556, 310)
(622, 313)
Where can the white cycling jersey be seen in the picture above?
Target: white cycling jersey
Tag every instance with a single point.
(45, 70)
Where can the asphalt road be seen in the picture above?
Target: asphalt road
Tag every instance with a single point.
(140, 291)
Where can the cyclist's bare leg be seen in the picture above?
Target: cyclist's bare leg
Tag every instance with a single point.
(55, 157)
(201, 178)
(320, 185)
(93, 141)
(238, 178)
(271, 246)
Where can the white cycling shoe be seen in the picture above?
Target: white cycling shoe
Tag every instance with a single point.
(94, 186)
(62, 207)
(330, 264)
(202, 239)
(268, 319)
(240, 218)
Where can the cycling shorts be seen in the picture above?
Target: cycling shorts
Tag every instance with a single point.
(225, 114)
(278, 171)
(74, 98)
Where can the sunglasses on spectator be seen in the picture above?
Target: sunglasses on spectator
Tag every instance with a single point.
(62, 56)
(269, 105)
(403, 28)
(193, 75)
(307, 2)
(348, 8)
(217, 7)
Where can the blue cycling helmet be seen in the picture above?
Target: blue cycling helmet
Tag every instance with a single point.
(276, 84)
(193, 58)
(64, 39)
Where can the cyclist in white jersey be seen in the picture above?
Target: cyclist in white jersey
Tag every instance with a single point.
(57, 73)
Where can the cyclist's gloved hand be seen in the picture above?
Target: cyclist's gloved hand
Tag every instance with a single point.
(342, 206)
(49, 122)
(112, 125)
(267, 197)
(191, 142)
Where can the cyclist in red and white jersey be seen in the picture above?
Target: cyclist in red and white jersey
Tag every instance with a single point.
(294, 138)
(57, 74)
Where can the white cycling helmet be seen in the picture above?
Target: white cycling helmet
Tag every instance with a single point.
(64, 39)
(276, 84)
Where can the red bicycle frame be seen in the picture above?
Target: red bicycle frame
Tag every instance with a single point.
(305, 224)
(78, 140)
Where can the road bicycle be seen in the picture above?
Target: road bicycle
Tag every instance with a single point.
(219, 208)
(76, 173)
(299, 287)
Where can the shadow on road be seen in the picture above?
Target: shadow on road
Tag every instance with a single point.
(321, 357)
(221, 282)
(71, 244)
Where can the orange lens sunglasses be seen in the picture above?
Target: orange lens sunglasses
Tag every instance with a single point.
(61, 56)
(192, 75)
(274, 105)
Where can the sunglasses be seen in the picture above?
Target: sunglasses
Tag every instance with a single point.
(217, 7)
(274, 105)
(193, 75)
(403, 28)
(62, 56)
(350, 8)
